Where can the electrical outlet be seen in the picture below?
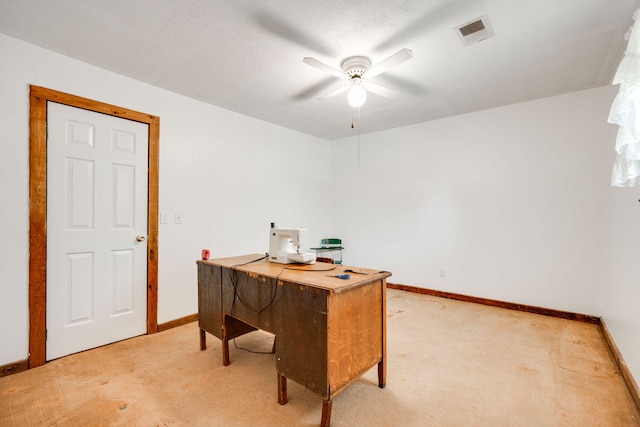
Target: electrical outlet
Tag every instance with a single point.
(443, 272)
(178, 218)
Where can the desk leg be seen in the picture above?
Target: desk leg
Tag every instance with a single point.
(203, 340)
(326, 413)
(282, 389)
(382, 365)
(225, 352)
(382, 373)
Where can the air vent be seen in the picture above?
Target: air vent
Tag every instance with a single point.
(475, 31)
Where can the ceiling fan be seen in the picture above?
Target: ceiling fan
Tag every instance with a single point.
(357, 70)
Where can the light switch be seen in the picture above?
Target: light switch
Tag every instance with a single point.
(178, 218)
(164, 218)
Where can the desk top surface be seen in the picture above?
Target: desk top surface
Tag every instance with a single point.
(319, 275)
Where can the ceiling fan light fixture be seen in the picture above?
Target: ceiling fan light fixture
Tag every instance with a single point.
(355, 69)
(357, 95)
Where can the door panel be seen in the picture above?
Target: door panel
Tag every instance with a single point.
(122, 281)
(97, 169)
(80, 179)
(79, 288)
(123, 196)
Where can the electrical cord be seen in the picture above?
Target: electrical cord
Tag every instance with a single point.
(236, 296)
(233, 267)
(273, 297)
(249, 350)
(304, 269)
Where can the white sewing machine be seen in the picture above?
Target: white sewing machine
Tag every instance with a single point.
(285, 244)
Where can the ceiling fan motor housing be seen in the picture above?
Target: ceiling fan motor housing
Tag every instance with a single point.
(355, 66)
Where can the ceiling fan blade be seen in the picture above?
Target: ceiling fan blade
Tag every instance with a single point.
(400, 85)
(323, 67)
(380, 90)
(273, 24)
(333, 93)
(431, 19)
(315, 90)
(397, 58)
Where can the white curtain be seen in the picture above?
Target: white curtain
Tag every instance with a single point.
(625, 112)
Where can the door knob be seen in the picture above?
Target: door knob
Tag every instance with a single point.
(140, 238)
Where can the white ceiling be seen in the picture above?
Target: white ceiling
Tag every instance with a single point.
(246, 55)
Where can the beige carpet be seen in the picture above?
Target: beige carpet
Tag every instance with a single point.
(450, 364)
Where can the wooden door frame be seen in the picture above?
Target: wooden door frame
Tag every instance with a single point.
(38, 98)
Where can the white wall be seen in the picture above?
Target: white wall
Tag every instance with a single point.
(508, 201)
(229, 175)
(514, 203)
(621, 275)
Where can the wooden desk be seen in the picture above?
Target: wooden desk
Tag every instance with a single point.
(329, 331)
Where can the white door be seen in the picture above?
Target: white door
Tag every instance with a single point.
(96, 229)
